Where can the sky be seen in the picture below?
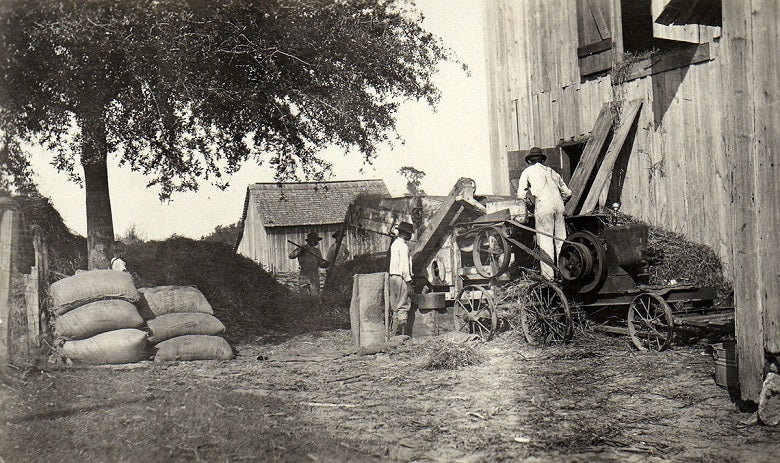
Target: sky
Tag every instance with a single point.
(446, 143)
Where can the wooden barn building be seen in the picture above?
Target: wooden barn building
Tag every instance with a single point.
(277, 212)
(682, 96)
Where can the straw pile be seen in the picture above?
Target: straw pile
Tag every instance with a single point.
(448, 355)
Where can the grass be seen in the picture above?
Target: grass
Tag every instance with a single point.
(449, 355)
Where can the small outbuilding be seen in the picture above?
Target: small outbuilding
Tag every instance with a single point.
(277, 212)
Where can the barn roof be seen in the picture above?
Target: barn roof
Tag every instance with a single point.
(307, 203)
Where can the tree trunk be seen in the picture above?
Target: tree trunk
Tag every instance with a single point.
(94, 155)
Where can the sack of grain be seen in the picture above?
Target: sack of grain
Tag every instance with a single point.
(97, 317)
(161, 300)
(178, 324)
(193, 347)
(90, 286)
(118, 346)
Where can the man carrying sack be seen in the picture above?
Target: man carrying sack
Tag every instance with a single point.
(400, 278)
(545, 190)
(310, 260)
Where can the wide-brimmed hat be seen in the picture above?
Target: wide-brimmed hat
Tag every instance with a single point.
(313, 236)
(405, 227)
(537, 153)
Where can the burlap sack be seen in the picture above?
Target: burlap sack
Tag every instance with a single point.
(97, 317)
(118, 346)
(161, 300)
(91, 286)
(193, 347)
(179, 324)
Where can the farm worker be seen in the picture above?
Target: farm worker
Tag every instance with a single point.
(310, 260)
(548, 192)
(343, 250)
(116, 262)
(401, 277)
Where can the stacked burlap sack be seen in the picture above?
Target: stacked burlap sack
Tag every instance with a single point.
(182, 324)
(95, 315)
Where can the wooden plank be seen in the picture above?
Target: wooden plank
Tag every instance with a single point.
(599, 18)
(739, 130)
(8, 221)
(766, 88)
(668, 61)
(594, 64)
(594, 48)
(590, 156)
(628, 117)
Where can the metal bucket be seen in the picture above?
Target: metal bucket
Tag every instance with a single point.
(726, 370)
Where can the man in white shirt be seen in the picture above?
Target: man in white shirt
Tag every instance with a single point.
(548, 191)
(401, 278)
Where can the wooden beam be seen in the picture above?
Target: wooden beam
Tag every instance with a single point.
(8, 221)
(664, 62)
(589, 157)
(628, 117)
(739, 139)
(593, 48)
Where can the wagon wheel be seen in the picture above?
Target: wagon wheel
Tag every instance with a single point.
(475, 312)
(595, 278)
(544, 315)
(650, 322)
(491, 252)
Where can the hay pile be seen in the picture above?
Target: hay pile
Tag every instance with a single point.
(67, 251)
(448, 355)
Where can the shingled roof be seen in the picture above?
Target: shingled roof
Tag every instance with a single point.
(307, 203)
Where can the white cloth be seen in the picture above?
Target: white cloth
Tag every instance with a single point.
(400, 262)
(550, 190)
(548, 187)
(118, 264)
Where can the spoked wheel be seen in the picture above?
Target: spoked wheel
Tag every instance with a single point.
(475, 312)
(544, 315)
(650, 322)
(491, 252)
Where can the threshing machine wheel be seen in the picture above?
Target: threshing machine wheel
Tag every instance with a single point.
(544, 314)
(650, 322)
(475, 312)
(491, 252)
(591, 281)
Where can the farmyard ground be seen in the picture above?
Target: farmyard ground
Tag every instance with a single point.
(596, 400)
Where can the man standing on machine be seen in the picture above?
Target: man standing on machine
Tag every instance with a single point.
(544, 188)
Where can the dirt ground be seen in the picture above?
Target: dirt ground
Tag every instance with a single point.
(595, 400)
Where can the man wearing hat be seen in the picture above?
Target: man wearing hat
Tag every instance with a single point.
(310, 260)
(546, 189)
(401, 278)
(344, 253)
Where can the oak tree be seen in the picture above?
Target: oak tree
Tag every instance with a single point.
(184, 90)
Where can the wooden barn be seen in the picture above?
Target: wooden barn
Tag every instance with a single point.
(678, 99)
(277, 212)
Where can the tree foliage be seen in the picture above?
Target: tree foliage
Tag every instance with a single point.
(183, 90)
(413, 180)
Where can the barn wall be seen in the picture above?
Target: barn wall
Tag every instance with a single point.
(677, 172)
(254, 238)
(278, 248)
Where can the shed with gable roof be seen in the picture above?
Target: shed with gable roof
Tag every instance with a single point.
(277, 212)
